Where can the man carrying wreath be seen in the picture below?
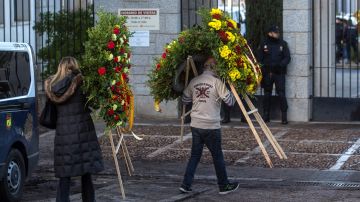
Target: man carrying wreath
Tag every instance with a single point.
(205, 92)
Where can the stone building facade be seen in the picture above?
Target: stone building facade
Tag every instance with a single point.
(299, 19)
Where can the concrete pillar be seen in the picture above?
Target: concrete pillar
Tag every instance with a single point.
(142, 57)
(298, 34)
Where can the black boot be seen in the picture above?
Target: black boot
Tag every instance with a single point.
(266, 116)
(284, 118)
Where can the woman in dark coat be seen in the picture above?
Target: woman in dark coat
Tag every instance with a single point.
(77, 151)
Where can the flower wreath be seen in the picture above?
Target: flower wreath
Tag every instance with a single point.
(218, 36)
(106, 68)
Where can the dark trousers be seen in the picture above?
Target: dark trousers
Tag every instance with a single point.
(87, 189)
(212, 139)
(353, 44)
(226, 109)
(268, 82)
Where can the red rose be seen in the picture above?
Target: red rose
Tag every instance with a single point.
(158, 66)
(116, 117)
(115, 97)
(110, 112)
(118, 69)
(111, 45)
(216, 16)
(248, 80)
(118, 83)
(102, 71)
(124, 76)
(122, 50)
(116, 30)
(163, 55)
(223, 36)
(116, 59)
(237, 49)
(229, 24)
(239, 62)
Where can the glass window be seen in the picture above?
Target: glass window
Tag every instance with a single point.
(15, 75)
(21, 10)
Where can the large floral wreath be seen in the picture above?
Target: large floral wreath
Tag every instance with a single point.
(106, 65)
(218, 36)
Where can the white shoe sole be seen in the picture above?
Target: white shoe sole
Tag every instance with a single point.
(183, 190)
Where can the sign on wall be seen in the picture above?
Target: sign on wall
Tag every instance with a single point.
(141, 19)
(140, 39)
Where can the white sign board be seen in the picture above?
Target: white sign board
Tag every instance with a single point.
(140, 39)
(141, 19)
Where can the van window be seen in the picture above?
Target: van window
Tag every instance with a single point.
(15, 75)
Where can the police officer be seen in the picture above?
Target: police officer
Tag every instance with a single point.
(274, 55)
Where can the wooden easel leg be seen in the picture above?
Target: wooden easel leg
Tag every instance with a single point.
(117, 165)
(128, 163)
(279, 151)
(182, 124)
(128, 159)
(266, 155)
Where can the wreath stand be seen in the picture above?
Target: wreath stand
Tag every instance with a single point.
(279, 151)
(115, 151)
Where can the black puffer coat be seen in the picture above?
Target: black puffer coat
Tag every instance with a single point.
(77, 150)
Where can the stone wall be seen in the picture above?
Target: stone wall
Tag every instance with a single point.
(298, 34)
(142, 57)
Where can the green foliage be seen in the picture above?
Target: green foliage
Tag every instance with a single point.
(194, 41)
(218, 36)
(260, 15)
(65, 32)
(108, 91)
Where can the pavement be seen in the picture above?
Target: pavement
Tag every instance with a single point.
(159, 161)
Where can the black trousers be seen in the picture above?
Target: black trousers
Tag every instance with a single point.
(268, 82)
(87, 189)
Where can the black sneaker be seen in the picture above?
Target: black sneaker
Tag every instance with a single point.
(228, 188)
(185, 189)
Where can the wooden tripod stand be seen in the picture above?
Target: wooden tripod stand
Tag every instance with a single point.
(279, 151)
(115, 151)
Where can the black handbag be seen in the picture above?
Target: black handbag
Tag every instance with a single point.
(48, 115)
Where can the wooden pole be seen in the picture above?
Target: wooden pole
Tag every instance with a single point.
(125, 152)
(266, 155)
(117, 165)
(189, 62)
(279, 151)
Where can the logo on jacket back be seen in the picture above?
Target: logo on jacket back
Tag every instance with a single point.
(202, 91)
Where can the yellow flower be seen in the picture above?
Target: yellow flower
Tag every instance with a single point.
(250, 88)
(233, 23)
(234, 74)
(215, 11)
(230, 36)
(216, 24)
(224, 52)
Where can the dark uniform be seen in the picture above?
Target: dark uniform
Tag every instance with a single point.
(274, 55)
